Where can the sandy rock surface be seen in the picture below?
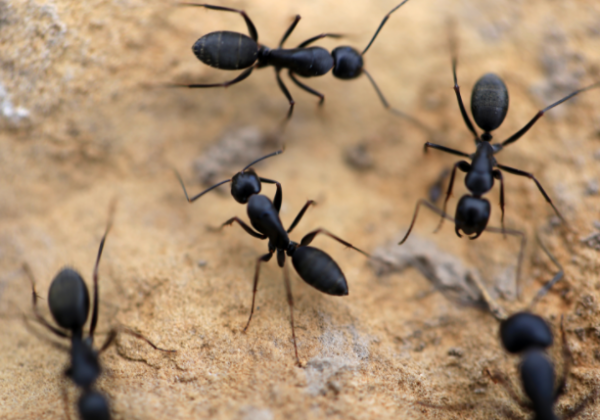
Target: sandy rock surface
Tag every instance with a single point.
(84, 120)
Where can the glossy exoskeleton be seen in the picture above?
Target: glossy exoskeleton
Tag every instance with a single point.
(489, 105)
(314, 266)
(69, 303)
(244, 184)
(529, 335)
(228, 50)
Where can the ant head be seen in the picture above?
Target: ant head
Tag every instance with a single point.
(69, 300)
(472, 215)
(93, 406)
(523, 331)
(347, 63)
(537, 375)
(245, 184)
(489, 103)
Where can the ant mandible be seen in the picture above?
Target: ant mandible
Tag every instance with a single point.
(489, 105)
(228, 50)
(69, 303)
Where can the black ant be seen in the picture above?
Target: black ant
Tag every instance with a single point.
(69, 303)
(314, 266)
(530, 335)
(244, 184)
(489, 105)
(491, 229)
(228, 50)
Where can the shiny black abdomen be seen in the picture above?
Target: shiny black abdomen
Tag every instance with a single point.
(489, 102)
(226, 50)
(69, 300)
(320, 271)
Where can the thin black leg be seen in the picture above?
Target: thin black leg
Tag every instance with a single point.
(498, 175)
(238, 79)
(264, 258)
(530, 176)
(244, 226)
(463, 111)
(463, 166)
(286, 92)
(316, 38)
(557, 277)
(194, 198)
(540, 113)
(110, 339)
(289, 30)
(290, 300)
(444, 149)
(249, 24)
(416, 213)
(308, 238)
(278, 194)
(385, 18)
(306, 88)
(34, 297)
(300, 215)
(94, 321)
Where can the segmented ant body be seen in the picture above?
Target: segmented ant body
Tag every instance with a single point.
(314, 266)
(69, 303)
(489, 105)
(228, 50)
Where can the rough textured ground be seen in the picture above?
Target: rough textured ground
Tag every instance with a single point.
(80, 125)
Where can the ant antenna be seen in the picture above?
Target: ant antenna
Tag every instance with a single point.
(381, 26)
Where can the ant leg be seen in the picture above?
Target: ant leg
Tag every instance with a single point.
(435, 191)
(290, 299)
(300, 215)
(122, 329)
(264, 258)
(244, 226)
(94, 321)
(540, 113)
(463, 166)
(249, 24)
(238, 79)
(513, 232)
(385, 18)
(530, 176)
(316, 38)
(286, 92)
(308, 238)
(427, 145)
(289, 30)
(34, 297)
(278, 194)
(395, 111)
(463, 111)
(498, 175)
(194, 198)
(567, 360)
(416, 213)
(495, 309)
(306, 88)
(557, 277)
(498, 377)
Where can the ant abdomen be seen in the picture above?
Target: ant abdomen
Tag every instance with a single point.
(489, 102)
(320, 271)
(226, 50)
